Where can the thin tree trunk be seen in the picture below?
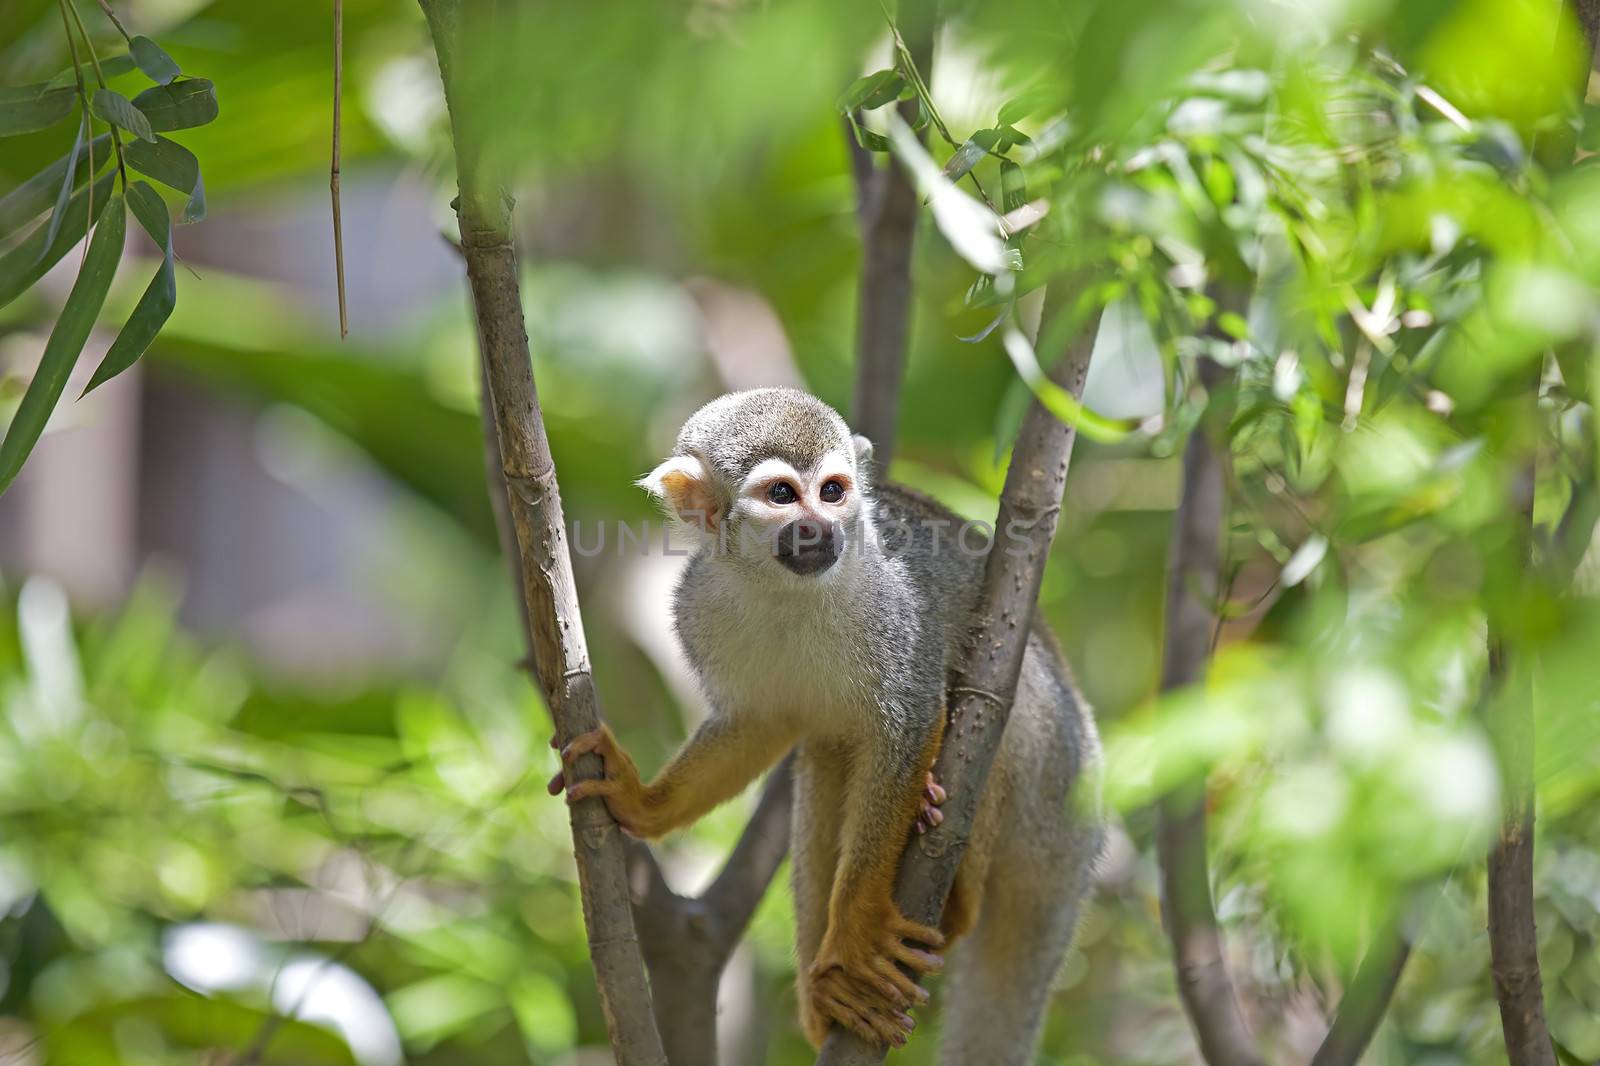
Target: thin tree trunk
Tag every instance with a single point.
(983, 681)
(560, 653)
(1366, 1000)
(886, 206)
(1193, 584)
(1513, 933)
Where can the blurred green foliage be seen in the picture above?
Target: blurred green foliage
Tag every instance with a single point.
(1369, 210)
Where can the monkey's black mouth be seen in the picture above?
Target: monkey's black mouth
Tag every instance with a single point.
(808, 548)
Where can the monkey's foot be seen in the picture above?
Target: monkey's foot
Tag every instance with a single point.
(863, 987)
(621, 788)
(929, 815)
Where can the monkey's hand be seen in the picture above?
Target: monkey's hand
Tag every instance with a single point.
(626, 796)
(857, 979)
(929, 816)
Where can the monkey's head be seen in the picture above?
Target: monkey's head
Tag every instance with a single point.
(771, 478)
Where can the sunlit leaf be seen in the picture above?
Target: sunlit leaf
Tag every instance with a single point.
(67, 339)
(167, 161)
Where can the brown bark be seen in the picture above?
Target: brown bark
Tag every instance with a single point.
(560, 652)
(886, 207)
(1194, 572)
(983, 681)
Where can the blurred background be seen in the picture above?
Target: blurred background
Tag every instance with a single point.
(271, 784)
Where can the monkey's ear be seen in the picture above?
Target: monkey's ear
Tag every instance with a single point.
(863, 449)
(686, 487)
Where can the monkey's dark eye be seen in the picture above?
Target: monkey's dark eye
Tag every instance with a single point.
(832, 491)
(781, 493)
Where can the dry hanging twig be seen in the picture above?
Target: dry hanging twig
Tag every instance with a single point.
(333, 171)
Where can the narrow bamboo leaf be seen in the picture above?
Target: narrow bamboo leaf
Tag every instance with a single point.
(33, 197)
(65, 193)
(114, 67)
(23, 265)
(156, 64)
(968, 155)
(160, 297)
(179, 106)
(66, 341)
(118, 110)
(872, 91)
(1013, 187)
(1059, 401)
(872, 142)
(25, 108)
(195, 209)
(167, 161)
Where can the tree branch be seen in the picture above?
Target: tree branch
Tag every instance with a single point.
(983, 681)
(1193, 577)
(886, 206)
(534, 499)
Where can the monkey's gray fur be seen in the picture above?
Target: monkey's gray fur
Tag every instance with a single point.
(849, 668)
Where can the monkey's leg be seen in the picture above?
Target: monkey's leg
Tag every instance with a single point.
(718, 761)
(821, 775)
(856, 979)
(1000, 975)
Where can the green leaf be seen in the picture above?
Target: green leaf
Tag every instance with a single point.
(195, 209)
(967, 156)
(114, 67)
(27, 201)
(155, 306)
(1020, 107)
(172, 165)
(872, 142)
(156, 64)
(66, 341)
(65, 193)
(118, 110)
(1013, 186)
(25, 108)
(23, 265)
(179, 106)
(1234, 325)
(872, 91)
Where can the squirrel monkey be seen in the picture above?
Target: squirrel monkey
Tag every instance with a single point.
(820, 612)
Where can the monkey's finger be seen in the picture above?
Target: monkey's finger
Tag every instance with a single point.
(936, 792)
(555, 742)
(906, 929)
(557, 784)
(920, 962)
(599, 786)
(934, 816)
(596, 741)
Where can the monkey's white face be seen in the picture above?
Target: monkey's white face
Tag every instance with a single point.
(799, 522)
(803, 518)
